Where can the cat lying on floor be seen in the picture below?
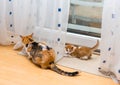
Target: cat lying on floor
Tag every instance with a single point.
(42, 55)
(82, 52)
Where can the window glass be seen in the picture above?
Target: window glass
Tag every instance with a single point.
(85, 17)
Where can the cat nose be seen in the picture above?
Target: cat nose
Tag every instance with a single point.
(67, 52)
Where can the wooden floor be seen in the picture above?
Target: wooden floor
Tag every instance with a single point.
(18, 70)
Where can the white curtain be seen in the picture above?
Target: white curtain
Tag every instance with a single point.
(47, 19)
(110, 40)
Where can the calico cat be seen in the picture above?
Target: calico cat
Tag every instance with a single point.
(25, 41)
(43, 55)
(82, 52)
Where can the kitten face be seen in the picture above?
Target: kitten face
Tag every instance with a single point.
(69, 48)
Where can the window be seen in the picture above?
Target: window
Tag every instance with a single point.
(84, 25)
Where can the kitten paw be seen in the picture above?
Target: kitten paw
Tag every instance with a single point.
(84, 58)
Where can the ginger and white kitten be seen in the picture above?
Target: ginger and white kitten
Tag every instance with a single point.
(43, 55)
(82, 52)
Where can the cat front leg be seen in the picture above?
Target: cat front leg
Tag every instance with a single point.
(84, 57)
(18, 45)
(29, 56)
(23, 52)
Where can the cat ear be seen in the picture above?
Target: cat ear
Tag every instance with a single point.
(31, 34)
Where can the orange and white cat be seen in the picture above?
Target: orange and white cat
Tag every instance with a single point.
(81, 52)
(42, 55)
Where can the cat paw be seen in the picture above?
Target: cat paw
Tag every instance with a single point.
(67, 55)
(84, 58)
(18, 45)
(29, 57)
(23, 54)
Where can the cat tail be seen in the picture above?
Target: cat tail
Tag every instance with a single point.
(96, 46)
(59, 71)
